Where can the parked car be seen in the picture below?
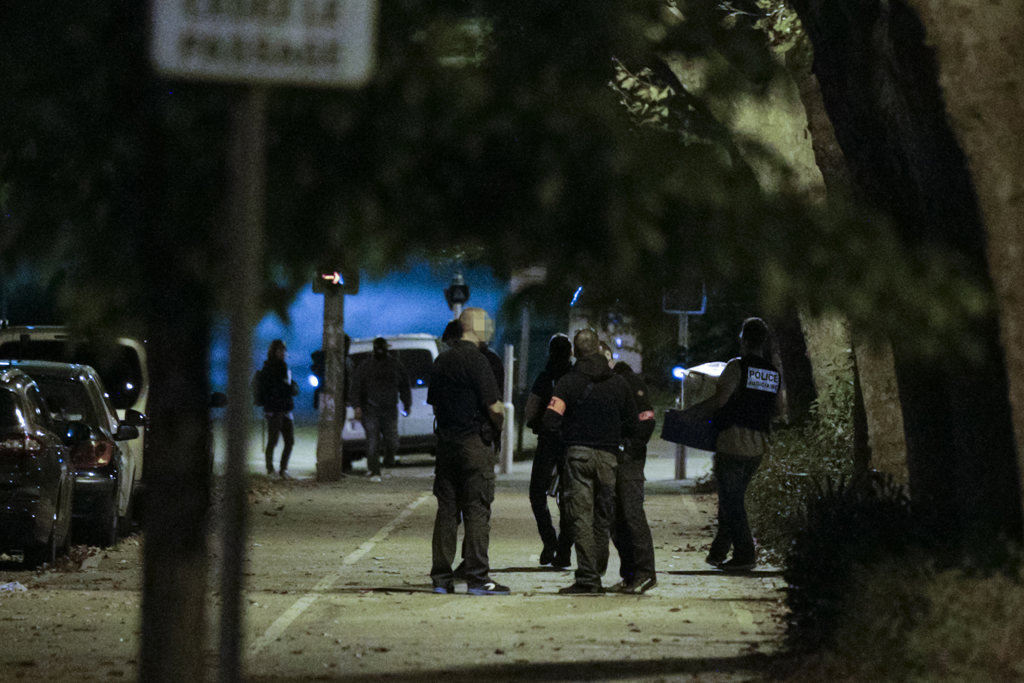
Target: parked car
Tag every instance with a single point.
(36, 481)
(103, 458)
(416, 352)
(120, 362)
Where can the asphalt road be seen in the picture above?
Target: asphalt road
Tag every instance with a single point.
(338, 589)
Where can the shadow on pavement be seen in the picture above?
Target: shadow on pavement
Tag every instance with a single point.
(719, 572)
(550, 672)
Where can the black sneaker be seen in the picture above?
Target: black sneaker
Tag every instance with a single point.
(715, 560)
(735, 565)
(547, 556)
(645, 584)
(624, 586)
(489, 588)
(448, 589)
(561, 562)
(581, 589)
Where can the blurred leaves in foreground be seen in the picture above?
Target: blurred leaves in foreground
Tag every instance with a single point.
(530, 133)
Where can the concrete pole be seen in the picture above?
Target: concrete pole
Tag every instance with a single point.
(329, 458)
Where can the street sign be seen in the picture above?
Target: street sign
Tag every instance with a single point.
(688, 297)
(336, 281)
(265, 42)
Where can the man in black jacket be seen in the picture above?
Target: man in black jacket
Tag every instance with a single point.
(464, 394)
(594, 411)
(631, 533)
(379, 382)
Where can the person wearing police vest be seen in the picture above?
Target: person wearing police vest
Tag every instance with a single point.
(631, 534)
(594, 411)
(744, 403)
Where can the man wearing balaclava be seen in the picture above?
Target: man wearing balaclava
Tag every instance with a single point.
(379, 383)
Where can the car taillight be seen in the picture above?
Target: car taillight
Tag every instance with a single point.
(92, 453)
(20, 446)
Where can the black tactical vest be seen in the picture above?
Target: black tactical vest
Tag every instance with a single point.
(752, 405)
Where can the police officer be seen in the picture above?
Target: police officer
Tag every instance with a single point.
(463, 393)
(631, 534)
(549, 455)
(594, 411)
(743, 405)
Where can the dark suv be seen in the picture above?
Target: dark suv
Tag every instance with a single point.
(103, 458)
(36, 481)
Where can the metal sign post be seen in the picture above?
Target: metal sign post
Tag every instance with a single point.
(684, 340)
(326, 43)
(508, 433)
(688, 297)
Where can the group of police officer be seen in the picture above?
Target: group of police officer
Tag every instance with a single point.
(594, 421)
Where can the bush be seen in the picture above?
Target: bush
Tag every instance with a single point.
(819, 447)
(849, 524)
(904, 620)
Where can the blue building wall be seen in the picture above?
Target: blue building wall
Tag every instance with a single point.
(407, 301)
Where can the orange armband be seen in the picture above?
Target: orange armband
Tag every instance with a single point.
(557, 405)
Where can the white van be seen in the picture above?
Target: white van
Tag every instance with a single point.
(416, 352)
(119, 361)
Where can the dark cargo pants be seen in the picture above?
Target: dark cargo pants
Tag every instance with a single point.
(590, 502)
(632, 533)
(550, 453)
(464, 488)
(381, 427)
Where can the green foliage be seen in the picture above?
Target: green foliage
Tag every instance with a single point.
(802, 456)
(846, 524)
(487, 126)
(905, 620)
(782, 27)
(973, 630)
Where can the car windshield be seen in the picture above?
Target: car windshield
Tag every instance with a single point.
(8, 410)
(67, 400)
(118, 366)
(415, 361)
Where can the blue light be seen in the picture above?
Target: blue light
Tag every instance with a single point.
(314, 381)
(575, 297)
(679, 372)
(419, 382)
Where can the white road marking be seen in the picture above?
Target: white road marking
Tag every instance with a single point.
(300, 606)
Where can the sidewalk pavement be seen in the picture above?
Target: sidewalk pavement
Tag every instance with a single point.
(660, 470)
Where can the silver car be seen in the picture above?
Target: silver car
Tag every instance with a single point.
(119, 361)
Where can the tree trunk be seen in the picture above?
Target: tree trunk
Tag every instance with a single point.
(879, 84)
(177, 465)
(878, 425)
(980, 50)
(882, 411)
(177, 309)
